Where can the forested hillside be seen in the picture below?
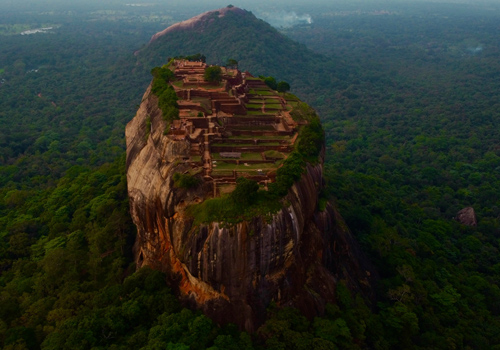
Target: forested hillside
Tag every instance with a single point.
(409, 101)
(413, 139)
(257, 47)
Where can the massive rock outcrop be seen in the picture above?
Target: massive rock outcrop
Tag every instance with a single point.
(293, 257)
(200, 21)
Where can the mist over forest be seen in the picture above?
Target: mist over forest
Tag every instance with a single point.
(408, 95)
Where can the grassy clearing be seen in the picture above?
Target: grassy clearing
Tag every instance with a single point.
(228, 211)
(214, 86)
(192, 114)
(223, 172)
(244, 156)
(178, 83)
(262, 92)
(270, 143)
(259, 113)
(291, 97)
(253, 105)
(195, 171)
(225, 189)
(204, 102)
(274, 154)
(273, 106)
(251, 156)
(221, 165)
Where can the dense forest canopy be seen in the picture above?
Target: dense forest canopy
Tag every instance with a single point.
(408, 97)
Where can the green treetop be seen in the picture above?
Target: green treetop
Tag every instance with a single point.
(213, 74)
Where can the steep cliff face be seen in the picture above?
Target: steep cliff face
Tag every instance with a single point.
(233, 272)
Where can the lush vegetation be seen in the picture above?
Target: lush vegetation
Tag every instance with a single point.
(213, 74)
(408, 106)
(282, 86)
(167, 98)
(65, 230)
(198, 57)
(251, 47)
(412, 140)
(185, 181)
(247, 201)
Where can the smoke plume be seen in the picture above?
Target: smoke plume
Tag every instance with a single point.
(285, 19)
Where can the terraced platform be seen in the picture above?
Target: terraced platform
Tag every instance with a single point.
(239, 127)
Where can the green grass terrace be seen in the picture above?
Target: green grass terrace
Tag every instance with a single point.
(244, 156)
(262, 92)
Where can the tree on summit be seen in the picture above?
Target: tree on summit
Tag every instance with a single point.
(271, 82)
(283, 86)
(213, 74)
(232, 63)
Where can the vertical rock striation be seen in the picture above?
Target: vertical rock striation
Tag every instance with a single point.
(294, 258)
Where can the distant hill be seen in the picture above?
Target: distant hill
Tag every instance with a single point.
(234, 33)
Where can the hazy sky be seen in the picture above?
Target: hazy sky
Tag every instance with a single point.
(279, 11)
(222, 3)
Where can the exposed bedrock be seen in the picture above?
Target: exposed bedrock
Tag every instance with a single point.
(467, 216)
(294, 257)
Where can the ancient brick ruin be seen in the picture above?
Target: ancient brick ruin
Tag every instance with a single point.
(239, 127)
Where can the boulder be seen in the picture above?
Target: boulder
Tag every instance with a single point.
(467, 216)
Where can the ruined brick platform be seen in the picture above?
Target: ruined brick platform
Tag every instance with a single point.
(239, 127)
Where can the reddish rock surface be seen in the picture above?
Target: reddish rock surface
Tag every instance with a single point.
(232, 273)
(467, 216)
(198, 21)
